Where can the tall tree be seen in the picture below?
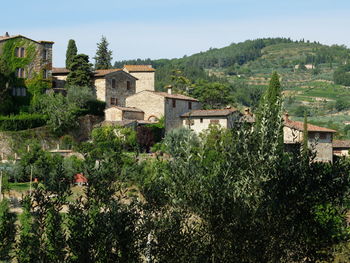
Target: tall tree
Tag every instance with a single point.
(103, 56)
(72, 51)
(80, 71)
(7, 230)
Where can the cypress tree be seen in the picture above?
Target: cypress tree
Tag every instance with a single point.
(71, 52)
(80, 71)
(305, 148)
(103, 56)
(7, 230)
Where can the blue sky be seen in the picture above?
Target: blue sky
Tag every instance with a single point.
(168, 28)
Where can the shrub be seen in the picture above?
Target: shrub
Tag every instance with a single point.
(95, 107)
(21, 122)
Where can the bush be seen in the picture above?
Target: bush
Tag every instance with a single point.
(21, 122)
(95, 107)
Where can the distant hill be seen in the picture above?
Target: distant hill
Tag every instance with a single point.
(306, 70)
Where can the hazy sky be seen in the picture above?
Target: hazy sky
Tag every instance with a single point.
(169, 28)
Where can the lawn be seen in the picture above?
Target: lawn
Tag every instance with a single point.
(20, 187)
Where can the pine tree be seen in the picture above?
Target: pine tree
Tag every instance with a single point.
(103, 56)
(71, 52)
(80, 71)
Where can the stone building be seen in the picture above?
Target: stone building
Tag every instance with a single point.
(341, 148)
(145, 75)
(156, 105)
(200, 120)
(116, 113)
(33, 58)
(320, 139)
(110, 85)
(113, 86)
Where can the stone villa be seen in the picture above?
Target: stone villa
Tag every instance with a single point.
(320, 139)
(35, 57)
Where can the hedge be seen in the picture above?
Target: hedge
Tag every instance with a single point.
(20, 122)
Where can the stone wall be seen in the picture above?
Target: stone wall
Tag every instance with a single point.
(199, 124)
(100, 89)
(145, 80)
(150, 103)
(133, 115)
(121, 91)
(172, 114)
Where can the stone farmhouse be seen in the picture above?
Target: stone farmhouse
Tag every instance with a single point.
(34, 58)
(341, 148)
(156, 105)
(320, 139)
(200, 120)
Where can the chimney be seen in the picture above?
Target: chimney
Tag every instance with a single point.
(286, 117)
(169, 89)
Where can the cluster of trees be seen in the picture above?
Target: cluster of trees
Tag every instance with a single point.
(223, 196)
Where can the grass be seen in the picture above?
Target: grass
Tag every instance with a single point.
(20, 187)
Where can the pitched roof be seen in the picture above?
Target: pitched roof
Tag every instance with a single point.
(298, 125)
(207, 113)
(139, 68)
(3, 38)
(133, 109)
(341, 144)
(60, 71)
(173, 96)
(104, 72)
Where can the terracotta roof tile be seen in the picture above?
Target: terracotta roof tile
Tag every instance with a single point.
(298, 125)
(173, 96)
(104, 72)
(127, 109)
(204, 113)
(60, 71)
(139, 68)
(341, 144)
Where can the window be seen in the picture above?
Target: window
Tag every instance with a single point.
(113, 83)
(323, 136)
(214, 121)
(114, 101)
(45, 74)
(45, 54)
(20, 73)
(22, 52)
(19, 92)
(128, 85)
(174, 103)
(190, 105)
(201, 120)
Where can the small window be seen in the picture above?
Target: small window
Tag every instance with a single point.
(22, 52)
(45, 74)
(201, 120)
(113, 83)
(113, 101)
(174, 103)
(17, 53)
(45, 54)
(214, 121)
(19, 92)
(323, 136)
(128, 85)
(20, 73)
(190, 105)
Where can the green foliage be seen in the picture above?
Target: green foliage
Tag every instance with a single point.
(95, 107)
(22, 122)
(7, 230)
(71, 52)
(80, 71)
(103, 56)
(79, 95)
(177, 140)
(342, 75)
(61, 113)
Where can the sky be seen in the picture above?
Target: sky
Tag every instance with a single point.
(170, 29)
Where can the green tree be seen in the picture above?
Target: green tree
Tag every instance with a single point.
(71, 52)
(7, 230)
(80, 71)
(103, 56)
